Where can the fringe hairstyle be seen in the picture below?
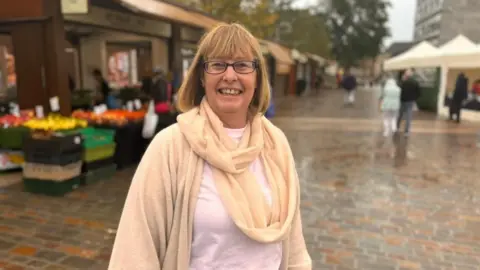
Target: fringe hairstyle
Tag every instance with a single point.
(224, 41)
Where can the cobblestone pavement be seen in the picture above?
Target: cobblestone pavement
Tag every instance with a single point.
(367, 202)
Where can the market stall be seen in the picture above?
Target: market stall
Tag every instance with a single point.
(128, 132)
(411, 58)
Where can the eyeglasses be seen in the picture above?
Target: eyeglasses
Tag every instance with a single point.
(241, 67)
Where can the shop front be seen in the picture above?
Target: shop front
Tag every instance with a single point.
(316, 64)
(299, 72)
(124, 45)
(280, 64)
(189, 39)
(35, 28)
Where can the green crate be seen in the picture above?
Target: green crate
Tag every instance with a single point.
(95, 137)
(12, 137)
(99, 174)
(51, 188)
(100, 152)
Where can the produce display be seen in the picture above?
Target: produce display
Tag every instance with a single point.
(112, 117)
(55, 123)
(10, 120)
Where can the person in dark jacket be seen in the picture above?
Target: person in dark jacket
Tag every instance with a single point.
(102, 87)
(349, 83)
(159, 86)
(460, 94)
(409, 95)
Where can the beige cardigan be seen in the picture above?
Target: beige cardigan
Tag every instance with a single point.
(155, 230)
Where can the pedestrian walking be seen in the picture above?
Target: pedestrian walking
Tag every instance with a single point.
(218, 189)
(390, 104)
(460, 94)
(410, 93)
(349, 84)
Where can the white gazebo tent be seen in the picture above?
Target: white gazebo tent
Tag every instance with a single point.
(411, 57)
(459, 54)
(456, 51)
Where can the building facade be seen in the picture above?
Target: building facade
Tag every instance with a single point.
(438, 21)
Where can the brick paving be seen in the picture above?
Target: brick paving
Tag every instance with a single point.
(367, 202)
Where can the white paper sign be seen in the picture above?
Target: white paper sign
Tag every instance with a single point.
(138, 104)
(103, 108)
(15, 109)
(129, 106)
(39, 111)
(54, 104)
(97, 110)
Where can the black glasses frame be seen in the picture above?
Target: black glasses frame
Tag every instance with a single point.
(254, 64)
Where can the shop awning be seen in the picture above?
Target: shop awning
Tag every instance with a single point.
(207, 21)
(280, 53)
(300, 57)
(263, 47)
(320, 60)
(170, 12)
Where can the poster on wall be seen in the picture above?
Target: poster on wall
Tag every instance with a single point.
(119, 69)
(10, 67)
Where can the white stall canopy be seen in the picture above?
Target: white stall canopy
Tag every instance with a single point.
(411, 57)
(451, 51)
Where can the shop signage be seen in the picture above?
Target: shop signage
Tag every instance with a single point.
(75, 6)
(187, 52)
(190, 34)
(121, 21)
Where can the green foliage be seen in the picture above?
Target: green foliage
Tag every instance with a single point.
(304, 30)
(357, 29)
(257, 15)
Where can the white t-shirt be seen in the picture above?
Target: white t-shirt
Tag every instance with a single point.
(218, 244)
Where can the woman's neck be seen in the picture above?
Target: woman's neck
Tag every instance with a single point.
(233, 121)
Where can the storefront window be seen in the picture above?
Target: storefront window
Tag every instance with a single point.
(119, 69)
(187, 59)
(11, 75)
(300, 71)
(8, 77)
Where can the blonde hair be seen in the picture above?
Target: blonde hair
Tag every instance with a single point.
(224, 41)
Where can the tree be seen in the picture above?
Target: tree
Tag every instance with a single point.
(304, 30)
(257, 15)
(357, 29)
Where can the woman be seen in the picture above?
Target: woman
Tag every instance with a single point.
(219, 189)
(390, 105)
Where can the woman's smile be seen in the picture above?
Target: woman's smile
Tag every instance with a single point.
(230, 91)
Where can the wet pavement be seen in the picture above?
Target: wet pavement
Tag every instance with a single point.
(367, 202)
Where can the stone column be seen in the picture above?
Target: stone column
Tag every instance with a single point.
(40, 55)
(175, 55)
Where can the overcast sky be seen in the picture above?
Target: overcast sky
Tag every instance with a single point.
(401, 14)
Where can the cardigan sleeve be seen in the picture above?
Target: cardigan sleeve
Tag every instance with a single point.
(298, 257)
(141, 237)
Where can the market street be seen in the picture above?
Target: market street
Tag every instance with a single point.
(367, 202)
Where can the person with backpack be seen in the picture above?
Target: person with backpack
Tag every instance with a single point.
(349, 83)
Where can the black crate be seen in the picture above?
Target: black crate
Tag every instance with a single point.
(61, 159)
(97, 175)
(97, 164)
(51, 188)
(53, 145)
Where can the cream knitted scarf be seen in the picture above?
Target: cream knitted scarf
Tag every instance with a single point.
(236, 185)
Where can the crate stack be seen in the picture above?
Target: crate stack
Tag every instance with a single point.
(53, 162)
(98, 159)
